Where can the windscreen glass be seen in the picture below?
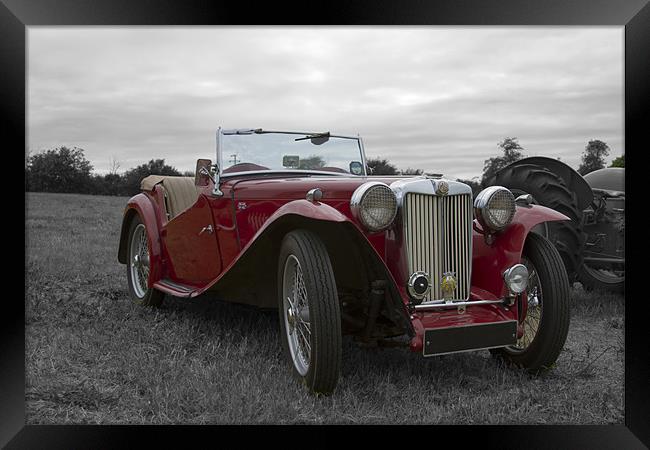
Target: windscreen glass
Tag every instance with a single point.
(288, 152)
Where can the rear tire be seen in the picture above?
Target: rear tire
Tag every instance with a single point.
(546, 323)
(138, 266)
(309, 312)
(592, 279)
(550, 190)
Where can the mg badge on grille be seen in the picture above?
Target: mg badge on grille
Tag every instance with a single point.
(442, 188)
(448, 285)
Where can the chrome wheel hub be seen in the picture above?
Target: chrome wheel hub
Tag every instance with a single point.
(296, 315)
(291, 318)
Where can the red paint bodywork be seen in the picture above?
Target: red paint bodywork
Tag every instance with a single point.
(251, 204)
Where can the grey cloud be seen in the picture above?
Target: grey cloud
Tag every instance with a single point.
(432, 97)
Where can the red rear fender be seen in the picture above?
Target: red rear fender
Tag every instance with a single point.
(145, 208)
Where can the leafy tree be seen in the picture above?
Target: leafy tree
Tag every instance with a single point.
(313, 162)
(474, 184)
(59, 170)
(133, 177)
(409, 171)
(511, 153)
(593, 157)
(109, 184)
(379, 166)
(618, 162)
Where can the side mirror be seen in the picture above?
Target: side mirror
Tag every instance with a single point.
(203, 172)
(356, 168)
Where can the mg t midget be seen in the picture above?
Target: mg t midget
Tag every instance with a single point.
(298, 222)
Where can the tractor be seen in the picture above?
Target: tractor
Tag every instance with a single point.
(592, 243)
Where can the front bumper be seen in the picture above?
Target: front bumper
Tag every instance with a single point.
(464, 326)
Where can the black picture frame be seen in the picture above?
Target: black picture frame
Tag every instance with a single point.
(16, 15)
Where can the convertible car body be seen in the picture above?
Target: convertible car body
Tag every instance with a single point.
(294, 221)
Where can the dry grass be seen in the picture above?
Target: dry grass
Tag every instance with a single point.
(93, 357)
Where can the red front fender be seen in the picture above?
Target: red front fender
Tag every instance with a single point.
(489, 261)
(305, 208)
(295, 209)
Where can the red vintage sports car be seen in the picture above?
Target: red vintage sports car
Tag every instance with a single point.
(294, 221)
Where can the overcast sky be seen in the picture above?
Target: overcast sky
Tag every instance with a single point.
(436, 98)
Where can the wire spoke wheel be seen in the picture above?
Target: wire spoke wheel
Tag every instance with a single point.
(296, 315)
(309, 314)
(534, 309)
(544, 308)
(139, 261)
(138, 267)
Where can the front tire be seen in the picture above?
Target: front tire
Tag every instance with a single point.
(546, 323)
(138, 266)
(309, 313)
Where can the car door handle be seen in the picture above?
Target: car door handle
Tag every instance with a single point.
(208, 229)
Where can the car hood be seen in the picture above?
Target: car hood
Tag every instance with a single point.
(292, 187)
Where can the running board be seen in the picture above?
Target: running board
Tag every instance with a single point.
(173, 288)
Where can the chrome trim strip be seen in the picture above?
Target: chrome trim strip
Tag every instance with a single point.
(426, 185)
(288, 172)
(363, 155)
(424, 355)
(441, 304)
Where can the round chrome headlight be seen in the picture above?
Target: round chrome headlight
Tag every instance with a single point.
(516, 278)
(374, 204)
(494, 207)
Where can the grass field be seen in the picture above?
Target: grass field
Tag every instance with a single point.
(94, 357)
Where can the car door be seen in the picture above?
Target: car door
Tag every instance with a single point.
(192, 245)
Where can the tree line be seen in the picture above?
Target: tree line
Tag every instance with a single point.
(593, 158)
(67, 170)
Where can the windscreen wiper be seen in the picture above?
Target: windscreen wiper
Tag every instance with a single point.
(313, 136)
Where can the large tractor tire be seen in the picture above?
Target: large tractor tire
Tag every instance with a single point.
(596, 279)
(550, 190)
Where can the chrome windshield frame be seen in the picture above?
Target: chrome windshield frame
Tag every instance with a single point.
(221, 132)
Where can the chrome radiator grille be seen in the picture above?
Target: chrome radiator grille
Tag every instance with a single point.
(438, 237)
